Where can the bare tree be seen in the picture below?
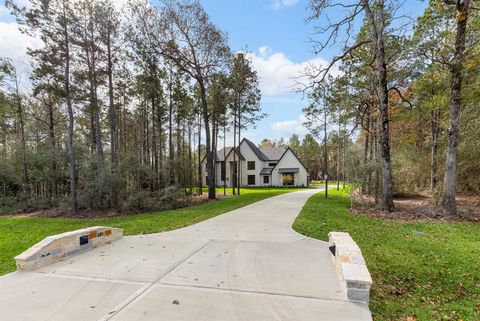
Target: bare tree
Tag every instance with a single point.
(340, 31)
(183, 34)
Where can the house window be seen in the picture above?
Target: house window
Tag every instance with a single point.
(251, 165)
(251, 179)
(272, 164)
(265, 180)
(223, 170)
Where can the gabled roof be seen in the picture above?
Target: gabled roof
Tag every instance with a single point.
(223, 153)
(265, 153)
(289, 149)
(237, 151)
(255, 149)
(220, 154)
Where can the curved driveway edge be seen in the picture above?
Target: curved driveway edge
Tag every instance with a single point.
(247, 264)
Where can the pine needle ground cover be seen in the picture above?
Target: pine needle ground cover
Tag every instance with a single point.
(18, 234)
(421, 270)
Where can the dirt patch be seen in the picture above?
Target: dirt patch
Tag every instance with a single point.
(414, 207)
(190, 201)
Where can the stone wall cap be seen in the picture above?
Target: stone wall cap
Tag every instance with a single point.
(351, 267)
(58, 246)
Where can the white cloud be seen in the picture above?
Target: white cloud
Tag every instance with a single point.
(289, 127)
(278, 74)
(14, 44)
(277, 4)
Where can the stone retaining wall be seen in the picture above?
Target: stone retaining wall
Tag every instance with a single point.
(56, 247)
(351, 267)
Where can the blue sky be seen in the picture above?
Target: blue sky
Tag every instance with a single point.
(274, 31)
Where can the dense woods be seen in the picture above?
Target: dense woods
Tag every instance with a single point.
(122, 104)
(410, 91)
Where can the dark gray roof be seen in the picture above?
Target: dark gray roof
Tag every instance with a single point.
(288, 170)
(267, 153)
(273, 153)
(256, 150)
(266, 171)
(220, 154)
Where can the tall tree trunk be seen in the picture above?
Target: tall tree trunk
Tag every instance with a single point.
(93, 132)
(338, 154)
(377, 36)
(154, 143)
(111, 105)
(376, 182)
(367, 172)
(224, 160)
(190, 169)
(344, 154)
(435, 131)
(26, 179)
(456, 73)
(239, 169)
(325, 151)
(70, 143)
(214, 149)
(200, 178)
(171, 178)
(178, 162)
(51, 134)
(208, 142)
(161, 181)
(235, 166)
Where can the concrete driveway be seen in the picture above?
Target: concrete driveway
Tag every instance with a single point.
(247, 264)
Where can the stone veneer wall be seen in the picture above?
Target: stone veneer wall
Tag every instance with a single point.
(351, 267)
(56, 247)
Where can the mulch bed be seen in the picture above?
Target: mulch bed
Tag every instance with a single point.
(414, 207)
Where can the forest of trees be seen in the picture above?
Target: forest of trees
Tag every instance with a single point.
(409, 89)
(121, 105)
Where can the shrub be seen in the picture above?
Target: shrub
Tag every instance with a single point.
(287, 180)
(138, 201)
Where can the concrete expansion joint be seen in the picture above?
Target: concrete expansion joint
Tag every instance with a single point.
(259, 241)
(230, 290)
(87, 278)
(142, 291)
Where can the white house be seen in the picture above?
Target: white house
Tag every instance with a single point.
(258, 166)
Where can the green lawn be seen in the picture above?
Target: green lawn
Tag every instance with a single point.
(430, 271)
(18, 234)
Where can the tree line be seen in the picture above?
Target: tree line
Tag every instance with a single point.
(121, 106)
(409, 88)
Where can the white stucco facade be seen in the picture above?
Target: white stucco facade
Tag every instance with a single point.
(290, 160)
(259, 167)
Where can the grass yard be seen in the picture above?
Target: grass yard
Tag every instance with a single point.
(420, 270)
(18, 234)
